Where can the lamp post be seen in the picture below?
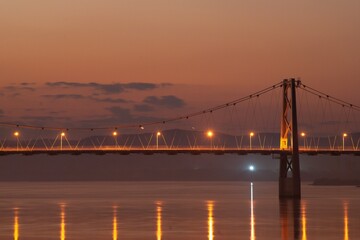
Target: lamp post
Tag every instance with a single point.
(17, 134)
(303, 135)
(115, 137)
(62, 134)
(157, 139)
(250, 136)
(210, 135)
(343, 140)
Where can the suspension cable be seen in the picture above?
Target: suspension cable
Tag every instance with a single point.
(328, 97)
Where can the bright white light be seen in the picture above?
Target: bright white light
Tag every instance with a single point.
(251, 168)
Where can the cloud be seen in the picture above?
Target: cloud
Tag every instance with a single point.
(111, 88)
(169, 101)
(19, 88)
(27, 83)
(109, 100)
(79, 96)
(63, 96)
(143, 108)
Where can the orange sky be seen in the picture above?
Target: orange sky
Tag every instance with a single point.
(228, 47)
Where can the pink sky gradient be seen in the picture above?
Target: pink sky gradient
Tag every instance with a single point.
(211, 51)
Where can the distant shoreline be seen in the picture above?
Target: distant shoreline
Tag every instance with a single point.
(336, 182)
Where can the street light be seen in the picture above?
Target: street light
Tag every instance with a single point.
(303, 135)
(157, 139)
(344, 136)
(62, 134)
(17, 134)
(210, 135)
(251, 135)
(115, 137)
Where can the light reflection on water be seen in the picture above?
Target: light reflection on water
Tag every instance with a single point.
(210, 207)
(96, 218)
(115, 225)
(62, 222)
(16, 224)
(158, 221)
(303, 221)
(252, 217)
(346, 222)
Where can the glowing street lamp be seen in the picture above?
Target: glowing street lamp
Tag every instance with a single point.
(303, 135)
(115, 137)
(158, 134)
(17, 134)
(62, 134)
(210, 135)
(250, 136)
(343, 138)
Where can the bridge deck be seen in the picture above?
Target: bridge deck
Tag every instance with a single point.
(174, 151)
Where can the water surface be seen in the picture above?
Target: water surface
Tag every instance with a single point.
(175, 210)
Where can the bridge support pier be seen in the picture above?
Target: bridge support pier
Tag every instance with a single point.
(289, 176)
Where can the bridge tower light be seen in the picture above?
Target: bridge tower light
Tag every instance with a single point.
(343, 140)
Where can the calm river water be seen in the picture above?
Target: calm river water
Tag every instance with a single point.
(175, 210)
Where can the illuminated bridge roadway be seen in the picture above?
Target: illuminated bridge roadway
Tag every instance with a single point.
(174, 151)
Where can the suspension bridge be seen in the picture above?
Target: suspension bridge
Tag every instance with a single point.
(317, 124)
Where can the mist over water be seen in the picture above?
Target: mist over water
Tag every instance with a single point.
(175, 210)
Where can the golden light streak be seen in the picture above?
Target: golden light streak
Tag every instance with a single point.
(303, 222)
(62, 223)
(252, 216)
(158, 221)
(115, 225)
(346, 222)
(210, 207)
(16, 225)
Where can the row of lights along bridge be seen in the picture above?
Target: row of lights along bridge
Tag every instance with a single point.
(209, 134)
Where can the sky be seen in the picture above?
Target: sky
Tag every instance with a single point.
(110, 61)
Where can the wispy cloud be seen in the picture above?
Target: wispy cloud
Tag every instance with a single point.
(143, 108)
(169, 101)
(111, 88)
(16, 88)
(109, 100)
(64, 96)
(79, 96)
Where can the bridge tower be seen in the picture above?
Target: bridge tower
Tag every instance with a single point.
(289, 177)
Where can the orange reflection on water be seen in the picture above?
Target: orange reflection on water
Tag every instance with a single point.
(62, 222)
(16, 224)
(303, 221)
(210, 207)
(115, 225)
(346, 222)
(158, 221)
(252, 216)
